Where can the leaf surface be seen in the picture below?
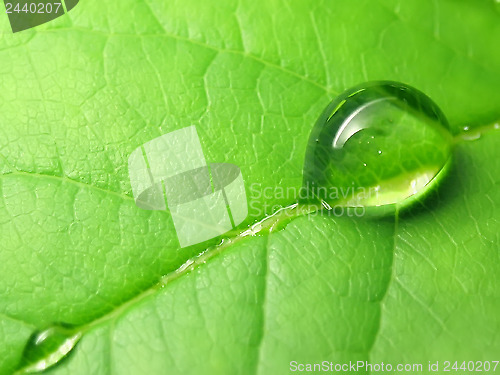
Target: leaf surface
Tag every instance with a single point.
(82, 92)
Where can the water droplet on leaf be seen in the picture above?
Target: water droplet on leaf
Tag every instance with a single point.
(47, 347)
(376, 144)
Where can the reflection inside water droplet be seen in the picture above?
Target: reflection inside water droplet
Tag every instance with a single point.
(376, 144)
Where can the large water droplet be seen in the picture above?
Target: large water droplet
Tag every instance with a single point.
(376, 144)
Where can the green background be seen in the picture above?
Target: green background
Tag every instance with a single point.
(79, 94)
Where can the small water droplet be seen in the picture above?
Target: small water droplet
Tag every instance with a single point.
(48, 347)
(345, 167)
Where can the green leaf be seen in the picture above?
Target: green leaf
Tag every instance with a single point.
(82, 92)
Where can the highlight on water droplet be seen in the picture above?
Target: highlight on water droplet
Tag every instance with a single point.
(377, 144)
